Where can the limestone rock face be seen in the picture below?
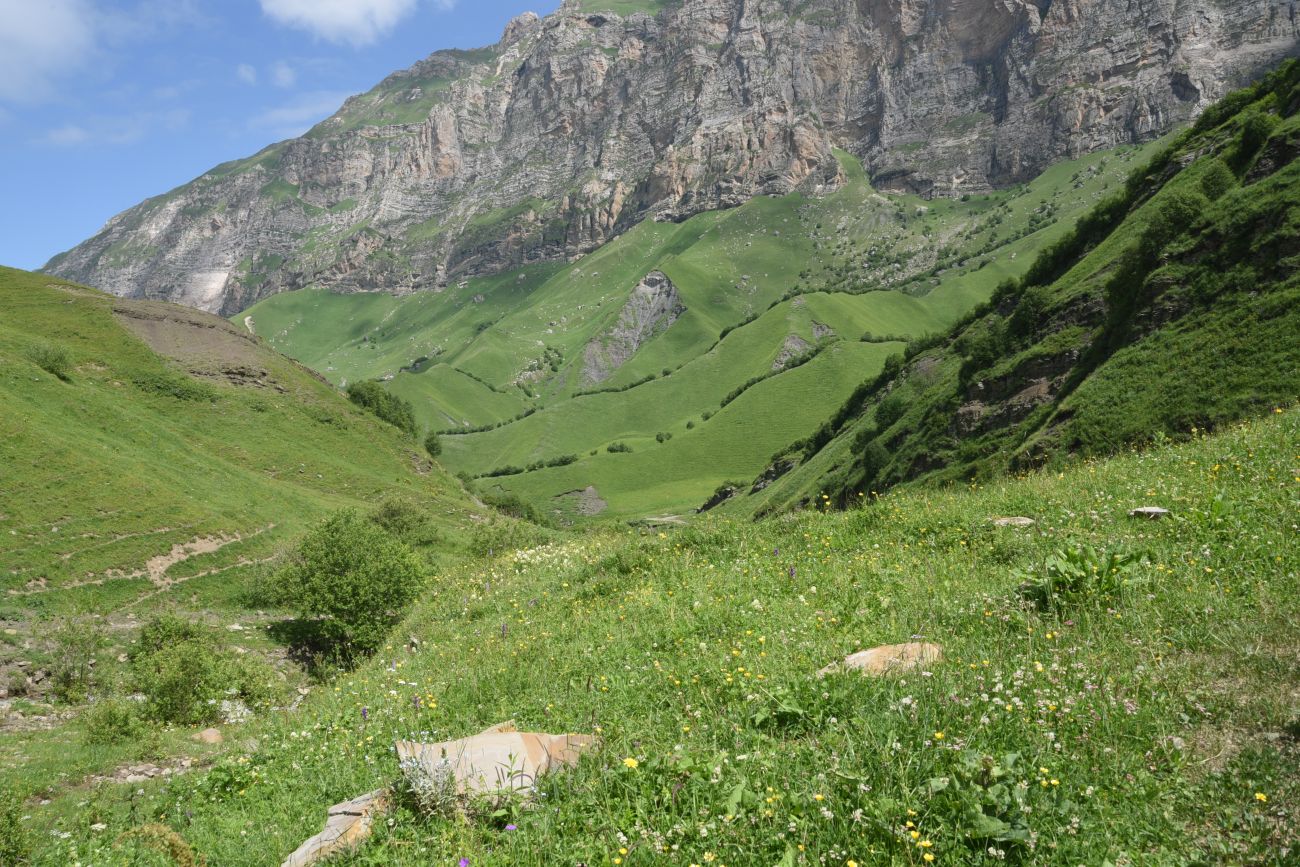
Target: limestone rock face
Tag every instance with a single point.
(577, 125)
(653, 306)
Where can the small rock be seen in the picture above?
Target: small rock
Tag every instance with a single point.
(1174, 742)
(887, 659)
(209, 736)
(1014, 521)
(235, 627)
(1153, 513)
(302, 690)
(136, 778)
(98, 826)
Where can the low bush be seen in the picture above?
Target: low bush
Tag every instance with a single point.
(1077, 575)
(432, 444)
(350, 581)
(185, 672)
(374, 397)
(73, 669)
(14, 842)
(52, 359)
(406, 520)
(512, 505)
(113, 721)
(615, 448)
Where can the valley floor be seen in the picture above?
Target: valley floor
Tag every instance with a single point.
(1148, 714)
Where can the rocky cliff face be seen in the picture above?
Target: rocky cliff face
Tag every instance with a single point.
(653, 306)
(575, 126)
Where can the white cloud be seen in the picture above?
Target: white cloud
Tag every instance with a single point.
(66, 136)
(301, 114)
(359, 22)
(283, 75)
(41, 42)
(246, 73)
(116, 130)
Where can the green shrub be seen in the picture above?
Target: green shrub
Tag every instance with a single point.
(52, 359)
(1217, 180)
(406, 520)
(185, 672)
(73, 668)
(615, 448)
(432, 444)
(113, 721)
(890, 410)
(14, 843)
(1256, 127)
(1077, 575)
(351, 581)
(374, 397)
(510, 504)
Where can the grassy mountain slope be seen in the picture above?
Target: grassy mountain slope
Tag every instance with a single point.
(1173, 307)
(855, 272)
(168, 427)
(1154, 723)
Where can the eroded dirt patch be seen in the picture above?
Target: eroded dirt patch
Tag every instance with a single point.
(585, 501)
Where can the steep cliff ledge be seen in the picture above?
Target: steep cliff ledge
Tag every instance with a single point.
(575, 126)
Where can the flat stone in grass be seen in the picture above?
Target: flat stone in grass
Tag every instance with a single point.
(208, 736)
(1151, 513)
(347, 825)
(887, 659)
(1014, 521)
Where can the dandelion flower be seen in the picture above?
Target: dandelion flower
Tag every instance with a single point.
(1261, 797)
(630, 763)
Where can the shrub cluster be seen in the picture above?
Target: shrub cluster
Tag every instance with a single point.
(52, 359)
(185, 671)
(350, 581)
(374, 397)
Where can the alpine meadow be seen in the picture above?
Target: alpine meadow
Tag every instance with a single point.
(688, 432)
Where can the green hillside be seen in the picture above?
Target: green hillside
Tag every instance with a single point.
(850, 276)
(1147, 716)
(1172, 308)
(131, 427)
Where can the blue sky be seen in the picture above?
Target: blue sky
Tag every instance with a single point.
(105, 103)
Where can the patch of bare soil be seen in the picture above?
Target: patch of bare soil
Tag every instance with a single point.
(205, 345)
(585, 501)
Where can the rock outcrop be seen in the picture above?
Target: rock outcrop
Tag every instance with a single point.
(653, 306)
(575, 126)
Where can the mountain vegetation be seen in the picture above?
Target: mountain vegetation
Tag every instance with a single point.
(1169, 308)
(790, 302)
(1037, 445)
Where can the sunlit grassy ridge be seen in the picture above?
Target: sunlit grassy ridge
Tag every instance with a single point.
(130, 454)
(856, 262)
(1155, 725)
(1172, 309)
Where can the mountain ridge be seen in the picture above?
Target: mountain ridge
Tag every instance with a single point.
(576, 126)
